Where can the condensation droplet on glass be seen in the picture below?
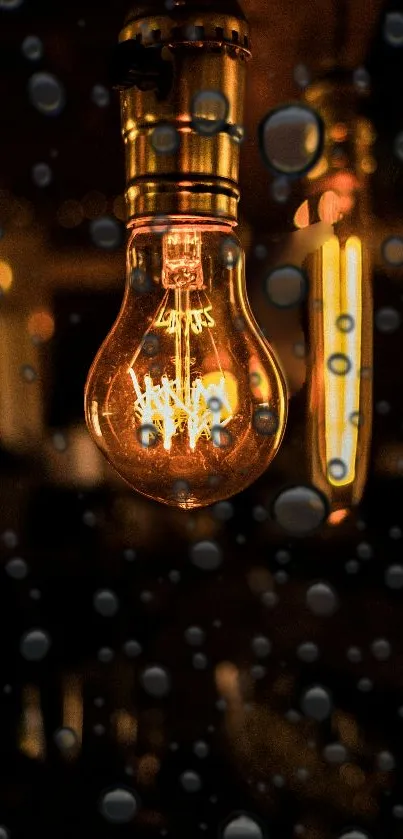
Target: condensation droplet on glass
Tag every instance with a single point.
(147, 435)
(392, 248)
(316, 702)
(17, 568)
(28, 373)
(106, 655)
(66, 739)
(321, 599)
(300, 510)
(308, 652)
(385, 761)
(223, 511)
(165, 138)
(387, 319)
(364, 550)
(201, 749)
(221, 437)
(339, 364)
(286, 286)
(237, 133)
(199, 661)
(361, 80)
(118, 805)
(356, 418)
(381, 649)
(302, 75)
(209, 112)
(206, 555)
(261, 646)
(335, 753)
(394, 576)
(190, 781)
(365, 685)
(100, 95)
(41, 174)
(291, 139)
(9, 539)
(336, 469)
(132, 648)
(140, 281)
(269, 599)
(345, 323)
(393, 29)
(195, 636)
(156, 681)
(35, 644)
(106, 232)
(32, 48)
(260, 513)
(230, 252)
(352, 566)
(106, 602)
(280, 190)
(46, 94)
(265, 421)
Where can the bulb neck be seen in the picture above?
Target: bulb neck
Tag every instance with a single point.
(184, 51)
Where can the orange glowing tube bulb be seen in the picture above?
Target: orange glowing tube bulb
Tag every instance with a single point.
(340, 304)
(185, 397)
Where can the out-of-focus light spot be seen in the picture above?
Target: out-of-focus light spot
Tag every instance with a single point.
(6, 276)
(41, 326)
(318, 170)
(301, 217)
(119, 208)
(46, 93)
(393, 29)
(70, 214)
(368, 165)
(337, 516)
(94, 204)
(392, 251)
(329, 207)
(32, 47)
(338, 132)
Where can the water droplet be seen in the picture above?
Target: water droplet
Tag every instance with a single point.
(261, 646)
(316, 703)
(100, 95)
(241, 826)
(140, 281)
(387, 319)
(199, 661)
(46, 93)
(385, 761)
(147, 435)
(265, 421)
(201, 749)
(165, 139)
(35, 644)
(335, 753)
(237, 133)
(302, 75)
(106, 603)
(286, 286)
(32, 47)
(17, 568)
(356, 418)
(105, 232)
(398, 811)
(10, 4)
(132, 648)
(300, 510)
(223, 511)
(308, 652)
(106, 655)
(66, 740)
(280, 190)
(28, 373)
(345, 323)
(394, 576)
(230, 252)
(392, 248)
(221, 437)
(336, 469)
(194, 636)
(206, 555)
(365, 685)
(151, 344)
(361, 80)
(291, 139)
(190, 781)
(209, 112)
(156, 681)
(339, 364)
(393, 29)
(382, 408)
(260, 513)
(41, 174)
(118, 805)
(321, 599)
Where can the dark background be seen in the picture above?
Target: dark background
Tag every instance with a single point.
(78, 722)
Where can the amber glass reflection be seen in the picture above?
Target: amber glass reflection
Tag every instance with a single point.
(185, 397)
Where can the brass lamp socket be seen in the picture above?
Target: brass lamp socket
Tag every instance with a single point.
(183, 58)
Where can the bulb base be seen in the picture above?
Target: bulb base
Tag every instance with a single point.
(194, 169)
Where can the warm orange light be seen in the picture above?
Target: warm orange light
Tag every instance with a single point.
(41, 325)
(6, 275)
(338, 132)
(301, 217)
(185, 397)
(337, 516)
(318, 170)
(329, 207)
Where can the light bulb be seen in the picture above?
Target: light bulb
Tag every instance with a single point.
(185, 397)
(340, 302)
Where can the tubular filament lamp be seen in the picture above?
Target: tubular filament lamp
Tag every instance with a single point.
(185, 397)
(340, 300)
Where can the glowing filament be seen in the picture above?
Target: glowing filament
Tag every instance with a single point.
(342, 301)
(165, 407)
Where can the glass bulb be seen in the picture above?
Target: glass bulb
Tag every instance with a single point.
(185, 397)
